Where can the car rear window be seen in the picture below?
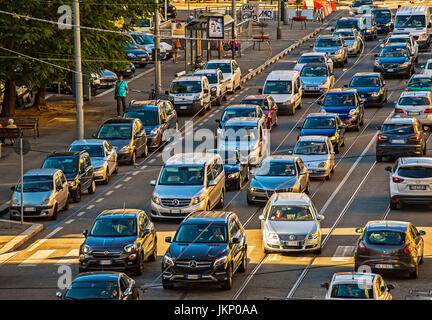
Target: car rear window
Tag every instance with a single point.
(351, 290)
(415, 172)
(398, 128)
(385, 237)
(414, 101)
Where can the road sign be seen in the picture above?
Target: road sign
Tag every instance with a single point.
(250, 10)
(266, 14)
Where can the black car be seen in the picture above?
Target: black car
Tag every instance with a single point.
(395, 59)
(236, 172)
(78, 170)
(209, 246)
(120, 239)
(171, 10)
(101, 286)
(127, 136)
(390, 246)
(400, 137)
(136, 55)
(384, 19)
(370, 87)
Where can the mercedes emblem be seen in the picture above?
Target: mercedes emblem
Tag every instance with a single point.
(106, 253)
(175, 202)
(192, 264)
(291, 237)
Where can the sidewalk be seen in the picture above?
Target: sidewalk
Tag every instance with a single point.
(13, 234)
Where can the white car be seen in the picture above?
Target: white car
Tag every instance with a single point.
(218, 85)
(357, 286)
(416, 104)
(427, 68)
(314, 57)
(231, 72)
(410, 181)
(290, 222)
(317, 154)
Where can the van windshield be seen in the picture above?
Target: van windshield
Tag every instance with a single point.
(411, 21)
(347, 24)
(278, 87)
(185, 87)
(239, 133)
(182, 175)
(328, 43)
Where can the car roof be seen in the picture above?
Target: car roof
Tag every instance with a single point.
(399, 35)
(97, 276)
(291, 198)
(420, 75)
(142, 107)
(314, 53)
(344, 30)
(387, 225)
(41, 172)
(316, 64)
(408, 10)
(322, 114)
(402, 120)
(365, 74)
(342, 90)
(415, 160)
(348, 18)
(280, 158)
(119, 120)
(92, 142)
(119, 213)
(220, 60)
(191, 159)
(255, 96)
(313, 138)
(203, 71)
(351, 277)
(240, 121)
(190, 78)
(211, 216)
(415, 94)
(243, 105)
(396, 45)
(282, 75)
(329, 36)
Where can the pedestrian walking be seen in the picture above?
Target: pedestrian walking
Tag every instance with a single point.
(177, 47)
(121, 91)
(11, 125)
(191, 17)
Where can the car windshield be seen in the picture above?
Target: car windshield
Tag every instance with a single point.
(239, 112)
(357, 4)
(416, 172)
(347, 24)
(277, 169)
(314, 71)
(109, 131)
(362, 82)
(67, 165)
(384, 237)
(96, 151)
(429, 66)
(420, 82)
(398, 128)
(257, 102)
(114, 227)
(143, 23)
(185, 87)
(36, 184)
(311, 59)
(345, 34)
(182, 175)
(201, 233)
(239, 133)
(393, 52)
(411, 21)
(147, 117)
(107, 73)
(320, 123)
(381, 14)
(328, 43)
(143, 40)
(351, 290)
(290, 213)
(414, 101)
(224, 66)
(339, 100)
(94, 290)
(311, 148)
(277, 87)
(398, 40)
(212, 77)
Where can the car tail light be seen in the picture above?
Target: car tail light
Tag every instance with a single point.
(397, 180)
(415, 138)
(428, 110)
(406, 89)
(409, 248)
(361, 246)
(398, 110)
(381, 137)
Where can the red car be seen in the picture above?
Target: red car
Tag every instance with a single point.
(267, 104)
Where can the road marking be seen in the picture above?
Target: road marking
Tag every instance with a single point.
(37, 244)
(127, 179)
(135, 173)
(109, 192)
(6, 256)
(143, 167)
(81, 213)
(100, 200)
(91, 206)
(36, 258)
(69, 221)
(249, 278)
(343, 253)
(273, 257)
(67, 259)
(118, 186)
(152, 160)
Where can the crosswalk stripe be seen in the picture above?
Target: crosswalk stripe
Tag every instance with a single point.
(343, 253)
(68, 260)
(37, 244)
(38, 257)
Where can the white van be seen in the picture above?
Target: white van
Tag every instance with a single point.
(416, 20)
(285, 88)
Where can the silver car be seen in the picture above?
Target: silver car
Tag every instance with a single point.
(317, 154)
(278, 174)
(45, 192)
(352, 39)
(290, 222)
(316, 78)
(103, 157)
(188, 182)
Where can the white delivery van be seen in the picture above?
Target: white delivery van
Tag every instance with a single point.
(415, 20)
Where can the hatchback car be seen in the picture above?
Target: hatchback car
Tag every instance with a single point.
(334, 46)
(395, 59)
(236, 172)
(102, 155)
(216, 249)
(78, 169)
(347, 104)
(410, 181)
(314, 57)
(127, 136)
(403, 38)
(101, 286)
(316, 78)
(427, 68)
(384, 19)
(290, 222)
(218, 85)
(324, 124)
(357, 286)
(390, 245)
(268, 106)
(45, 194)
(352, 39)
(278, 174)
(371, 87)
(239, 110)
(317, 155)
(400, 137)
(136, 55)
(119, 239)
(419, 82)
(417, 105)
(231, 72)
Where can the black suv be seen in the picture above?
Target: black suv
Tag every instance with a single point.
(78, 170)
(209, 246)
(400, 137)
(120, 239)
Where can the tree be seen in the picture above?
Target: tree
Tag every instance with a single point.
(45, 41)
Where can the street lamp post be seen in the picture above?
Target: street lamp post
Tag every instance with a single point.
(279, 29)
(158, 80)
(78, 72)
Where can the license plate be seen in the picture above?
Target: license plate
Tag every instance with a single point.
(128, 70)
(362, 95)
(183, 107)
(417, 187)
(398, 141)
(291, 243)
(30, 209)
(384, 266)
(390, 70)
(175, 211)
(414, 113)
(192, 276)
(105, 262)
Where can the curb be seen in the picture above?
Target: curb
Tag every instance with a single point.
(282, 54)
(20, 239)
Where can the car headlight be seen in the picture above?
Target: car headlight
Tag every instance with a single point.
(333, 138)
(100, 169)
(422, 36)
(376, 93)
(322, 164)
(126, 149)
(156, 199)
(196, 200)
(404, 65)
(154, 131)
(353, 112)
(368, 30)
(46, 200)
(272, 235)
(313, 235)
(377, 63)
(233, 175)
(15, 202)
(213, 89)
(73, 184)
(253, 189)
(130, 248)
(338, 51)
(86, 249)
(131, 56)
(168, 261)
(220, 261)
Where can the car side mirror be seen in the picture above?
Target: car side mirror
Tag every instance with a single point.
(422, 233)
(260, 90)
(359, 230)
(218, 120)
(319, 102)
(12, 188)
(389, 169)
(153, 182)
(320, 217)
(378, 127)
(166, 92)
(426, 128)
(290, 151)
(85, 233)
(59, 294)
(261, 217)
(376, 54)
(299, 127)
(211, 183)
(325, 285)
(168, 239)
(235, 240)
(345, 86)
(311, 46)
(94, 135)
(390, 287)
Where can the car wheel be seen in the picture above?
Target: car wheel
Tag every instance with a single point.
(421, 258)
(77, 195)
(291, 111)
(243, 266)
(92, 188)
(227, 284)
(219, 101)
(379, 158)
(221, 202)
(166, 285)
(307, 190)
(238, 185)
(394, 205)
(66, 206)
(357, 127)
(153, 255)
(336, 149)
(343, 142)
(266, 251)
(107, 177)
(327, 177)
(140, 266)
(414, 274)
(55, 213)
(318, 251)
(225, 96)
(133, 159)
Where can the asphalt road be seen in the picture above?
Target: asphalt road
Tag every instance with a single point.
(357, 192)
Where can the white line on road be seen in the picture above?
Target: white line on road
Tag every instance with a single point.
(127, 179)
(109, 193)
(100, 200)
(135, 173)
(81, 213)
(70, 221)
(118, 186)
(343, 253)
(67, 259)
(90, 206)
(152, 160)
(37, 244)
(36, 258)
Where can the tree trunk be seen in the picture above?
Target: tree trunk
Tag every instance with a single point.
(40, 98)
(9, 100)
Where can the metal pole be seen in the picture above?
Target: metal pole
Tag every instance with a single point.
(166, 10)
(234, 28)
(158, 80)
(78, 74)
(279, 29)
(22, 179)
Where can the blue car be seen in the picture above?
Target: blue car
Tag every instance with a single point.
(334, 46)
(236, 172)
(324, 124)
(136, 55)
(347, 104)
(370, 87)
(395, 59)
(383, 19)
